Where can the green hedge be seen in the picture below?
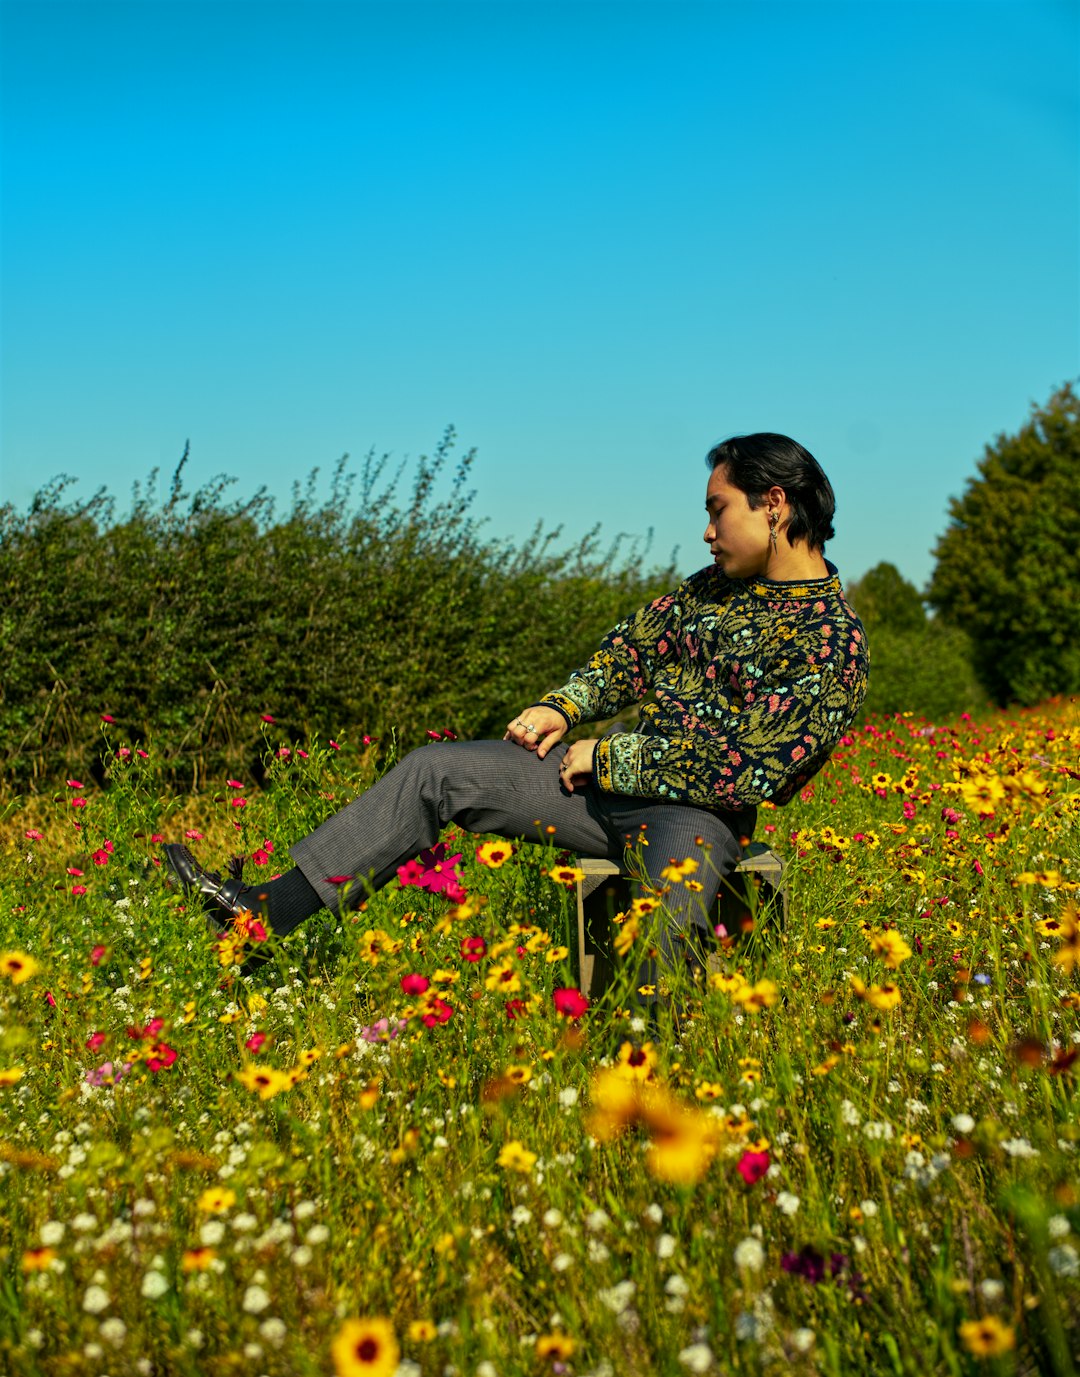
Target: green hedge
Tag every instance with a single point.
(363, 612)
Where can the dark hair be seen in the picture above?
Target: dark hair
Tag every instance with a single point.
(756, 463)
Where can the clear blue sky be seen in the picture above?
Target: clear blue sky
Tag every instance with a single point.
(595, 237)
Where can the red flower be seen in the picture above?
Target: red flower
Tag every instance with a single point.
(79, 802)
(438, 1011)
(334, 746)
(97, 955)
(234, 784)
(255, 930)
(100, 857)
(73, 870)
(369, 740)
(78, 890)
(515, 1008)
(75, 784)
(343, 879)
(473, 948)
(570, 1002)
(238, 802)
(160, 1057)
(435, 736)
(752, 1166)
(267, 718)
(256, 1042)
(411, 873)
(107, 717)
(156, 837)
(414, 984)
(95, 1040)
(456, 893)
(145, 754)
(151, 1030)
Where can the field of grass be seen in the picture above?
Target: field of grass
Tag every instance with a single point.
(401, 1144)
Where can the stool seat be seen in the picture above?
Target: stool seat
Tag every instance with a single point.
(605, 889)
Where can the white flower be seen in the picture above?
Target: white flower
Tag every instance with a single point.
(256, 1299)
(802, 1340)
(963, 1123)
(113, 1330)
(83, 1223)
(93, 1352)
(561, 1261)
(653, 1213)
(519, 1215)
(1064, 1260)
(597, 1220)
(665, 1245)
(96, 1300)
(243, 1223)
(1057, 1226)
(211, 1233)
(552, 1218)
(52, 1231)
(318, 1233)
(273, 1330)
(617, 1297)
(991, 1289)
(253, 1351)
(305, 1209)
(597, 1251)
(787, 1203)
(849, 1114)
(194, 1338)
(143, 1209)
(154, 1284)
(35, 1338)
(486, 1369)
(676, 1285)
(697, 1357)
(301, 1257)
(750, 1255)
(568, 1096)
(869, 1208)
(1019, 1147)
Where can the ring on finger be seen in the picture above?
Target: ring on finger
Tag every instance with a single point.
(530, 728)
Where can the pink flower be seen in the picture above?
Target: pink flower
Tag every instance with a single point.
(435, 736)
(283, 753)
(97, 955)
(267, 718)
(382, 1030)
(414, 984)
(100, 857)
(156, 837)
(302, 754)
(145, 754)
(255, 930)
(435, 871)
(369, 740)
(515, 1008)
(570, 1002)
(238, 802)
(123, 752)
(256, 1042)
(411, 873)
(261, 857)
(35, 835)
(234, 784)
(473, 948)
(75, 784)
(94, 1041)
(334, 746)
(341, 879)
(752, 1166)
(108, 1074)
(106, 717)
(78, 891)
(74, 870)
(78, 802)
(192, 835)
(151, 1030)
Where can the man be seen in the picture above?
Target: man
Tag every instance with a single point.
(757, 666)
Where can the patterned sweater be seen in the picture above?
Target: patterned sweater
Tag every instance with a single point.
(755, 681)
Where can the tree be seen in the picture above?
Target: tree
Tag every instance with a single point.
(916, 663)
(1008, 567)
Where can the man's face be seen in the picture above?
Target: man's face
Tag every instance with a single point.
(737, 535)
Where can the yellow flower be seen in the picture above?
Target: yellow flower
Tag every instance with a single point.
(566, 875)
(678, 870)
(265, 1080)
(494, 853)
(753, 998)
(627, 934)
(423, 1331)
(216, 1200)
(825, 924)
(557, 954)
(503, 977)
(725, 984)
(365, 1348)
(38, 1259)
(555, 1346)
(982, 793)
(519, 1075)
(708, 1090)
(197, 1259)
(18, 967)
(987, 1338)
(10, 1074)
(891, 947)
(636, 1063)
(516, 1157)
(883, 997)
(538, 941)
(1068, 954)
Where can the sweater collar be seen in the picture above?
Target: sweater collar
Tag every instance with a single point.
(779, 589)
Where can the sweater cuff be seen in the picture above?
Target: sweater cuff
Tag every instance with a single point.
(564, 706)
(617, 763)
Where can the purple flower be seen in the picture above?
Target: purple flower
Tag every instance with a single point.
(107, 1073)
(383, 1031)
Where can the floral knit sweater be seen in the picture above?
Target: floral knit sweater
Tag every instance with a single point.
(755, 682)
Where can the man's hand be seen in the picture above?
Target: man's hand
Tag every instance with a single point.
(577, 764)
(537, 729)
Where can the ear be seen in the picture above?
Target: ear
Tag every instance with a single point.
(775, 499)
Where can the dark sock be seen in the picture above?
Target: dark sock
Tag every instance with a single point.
(284, 902)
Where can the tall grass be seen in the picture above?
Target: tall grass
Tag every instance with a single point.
(855, 1151)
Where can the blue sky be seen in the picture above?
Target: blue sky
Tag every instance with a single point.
(594, 237)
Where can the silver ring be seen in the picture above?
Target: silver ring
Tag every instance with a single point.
(530, 728)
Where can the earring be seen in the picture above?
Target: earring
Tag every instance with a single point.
(772, 530)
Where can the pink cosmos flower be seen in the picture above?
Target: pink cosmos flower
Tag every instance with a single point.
(108, 1074)
(97, 955)
(151, 1030)
(439, 872)
(35, 835)
(411, 873)
(752, 1166)
(74, 870)
(79, 802)
(192, 835)
(414, 984)
(256, 1042)
(107, 717)
(94, 1041)
(570, 1002)
(266, 717)
(438, 1011)
(145, 754)
(75, 784)
(100, 857)
(382, 1030)
(334, 746)
(78, 891)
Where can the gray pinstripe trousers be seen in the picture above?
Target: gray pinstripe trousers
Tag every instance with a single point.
(499, 787)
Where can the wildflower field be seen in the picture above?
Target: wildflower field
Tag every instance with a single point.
(405, 1143)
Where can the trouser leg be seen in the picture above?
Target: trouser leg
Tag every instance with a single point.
(483, 786)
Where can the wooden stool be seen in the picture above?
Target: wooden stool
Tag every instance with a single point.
(606, 890)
